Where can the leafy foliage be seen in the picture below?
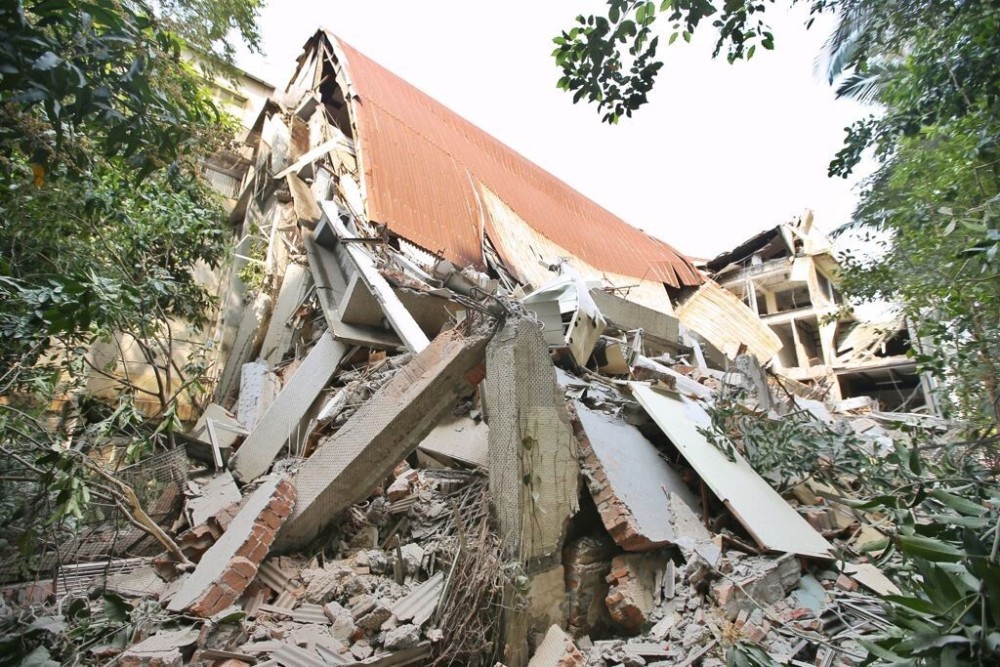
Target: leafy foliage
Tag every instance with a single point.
(108, 234)
(938, 503)
(613, 61)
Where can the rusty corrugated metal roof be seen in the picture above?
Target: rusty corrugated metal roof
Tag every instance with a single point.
(420, 159)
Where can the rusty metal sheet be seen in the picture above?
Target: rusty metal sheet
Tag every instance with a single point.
(420, 163)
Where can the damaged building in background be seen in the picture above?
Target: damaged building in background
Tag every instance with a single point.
(788, 276)
(461, 416)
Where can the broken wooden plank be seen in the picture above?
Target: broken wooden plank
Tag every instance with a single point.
(767, 517)
(388, 427)
(286, 414)
(330, 289)
(402, 322)
(312, 155)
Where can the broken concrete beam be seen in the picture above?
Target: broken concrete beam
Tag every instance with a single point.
(288, 411)
(386, 429)
(557, 650)
(330, 289)
(771, 583)
(400, 319)
(533, 467)
(661, 331)
(307, 211)
(636, 581)
(258, 389)
(624, 471)
(280, 330)
(249, 338)
(229, 565)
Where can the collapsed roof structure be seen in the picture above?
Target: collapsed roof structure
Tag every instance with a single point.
(459, 420)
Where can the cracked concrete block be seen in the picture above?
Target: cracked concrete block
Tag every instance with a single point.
(229, 565)
(636, 581)
(769, 584)
(405, 636)
(386, 429)
(258, 389)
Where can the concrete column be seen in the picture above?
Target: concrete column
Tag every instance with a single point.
(534, 476)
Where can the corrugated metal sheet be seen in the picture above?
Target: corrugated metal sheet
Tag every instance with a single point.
(726, 322)
(420, 163)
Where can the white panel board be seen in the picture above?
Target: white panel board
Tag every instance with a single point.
(772, 522)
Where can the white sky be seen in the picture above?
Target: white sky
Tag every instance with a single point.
(720, 152)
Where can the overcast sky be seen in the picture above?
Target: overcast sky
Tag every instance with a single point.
(720, 152)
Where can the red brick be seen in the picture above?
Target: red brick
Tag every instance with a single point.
(244, 567)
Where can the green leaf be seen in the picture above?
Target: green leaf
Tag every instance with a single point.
(914, 462)
(880, 652)
(957, 503)
(115, 608)
(46, 61)
(930, 549)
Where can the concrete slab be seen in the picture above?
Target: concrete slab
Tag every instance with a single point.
(629, 480)
(258, 389)
(460, 439)
(217, 494)
(388, 427)
(289, 409)
(280, 331)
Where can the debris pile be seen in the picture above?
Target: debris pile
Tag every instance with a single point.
(411, 463)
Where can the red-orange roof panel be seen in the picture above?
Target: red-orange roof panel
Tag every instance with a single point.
(420, 159)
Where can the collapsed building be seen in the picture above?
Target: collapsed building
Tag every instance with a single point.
(461, 416)
(788, 276)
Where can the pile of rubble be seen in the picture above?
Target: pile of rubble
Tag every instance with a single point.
(407, 463)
